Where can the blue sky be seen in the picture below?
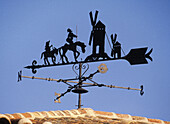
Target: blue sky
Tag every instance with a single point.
(27, 25)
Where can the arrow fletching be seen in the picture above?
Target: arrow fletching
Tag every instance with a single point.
(148, 55)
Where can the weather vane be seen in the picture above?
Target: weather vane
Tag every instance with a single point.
(97, 41)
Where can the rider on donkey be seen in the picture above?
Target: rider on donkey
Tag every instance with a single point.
(47, 46)
(70, 36)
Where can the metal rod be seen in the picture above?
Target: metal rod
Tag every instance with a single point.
(50, 79)
(76, 33)
(110, 86)
(80, 84)
(128, 88)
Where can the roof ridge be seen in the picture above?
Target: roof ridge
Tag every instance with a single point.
(83, 112)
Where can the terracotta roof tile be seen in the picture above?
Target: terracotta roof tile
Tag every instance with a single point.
(59, 113)
(67, 113)
(81, 111)
(17, 115)
(104, 113)
(155, 121)
(52, 113)
(38, 115)
(27, 115)
(75, 112)
(141, 119)
(4, 119)
(124, 116)
(45, 114)
(166, 122)
(83, 116)
(9, 116)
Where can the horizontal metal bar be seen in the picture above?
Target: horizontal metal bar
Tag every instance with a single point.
(58, 80)
(128, 88)
(51, 79)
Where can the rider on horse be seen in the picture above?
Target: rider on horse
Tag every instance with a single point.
(70, 36)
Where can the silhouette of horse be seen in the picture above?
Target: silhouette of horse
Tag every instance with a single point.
(72, 47)
(50, 54)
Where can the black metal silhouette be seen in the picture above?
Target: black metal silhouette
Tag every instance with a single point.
(19, 76)
(70, 36)
(79, 90)
(116, 50)
(50, 54)
(73, 47)
(47, 46)
(98, 37)
(135, 56)
(138, 56)
(141, 91)
(84, 66)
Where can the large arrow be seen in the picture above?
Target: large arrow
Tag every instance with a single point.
(138, 56)
(135, 56)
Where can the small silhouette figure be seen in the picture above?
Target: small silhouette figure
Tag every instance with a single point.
(47, 46)
(117, 49)
(49, 53)
(70, 36)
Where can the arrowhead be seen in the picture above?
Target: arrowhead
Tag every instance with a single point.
(138, 56)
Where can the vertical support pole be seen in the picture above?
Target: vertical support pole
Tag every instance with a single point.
(80, 83)
(76, 33)
(79, 101)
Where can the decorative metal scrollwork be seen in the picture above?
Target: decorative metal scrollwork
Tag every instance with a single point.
(84, 66)
(102, 68)
(141, 92)
(34, 64)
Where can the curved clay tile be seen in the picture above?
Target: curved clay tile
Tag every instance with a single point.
(84, 115)
(4, 119)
